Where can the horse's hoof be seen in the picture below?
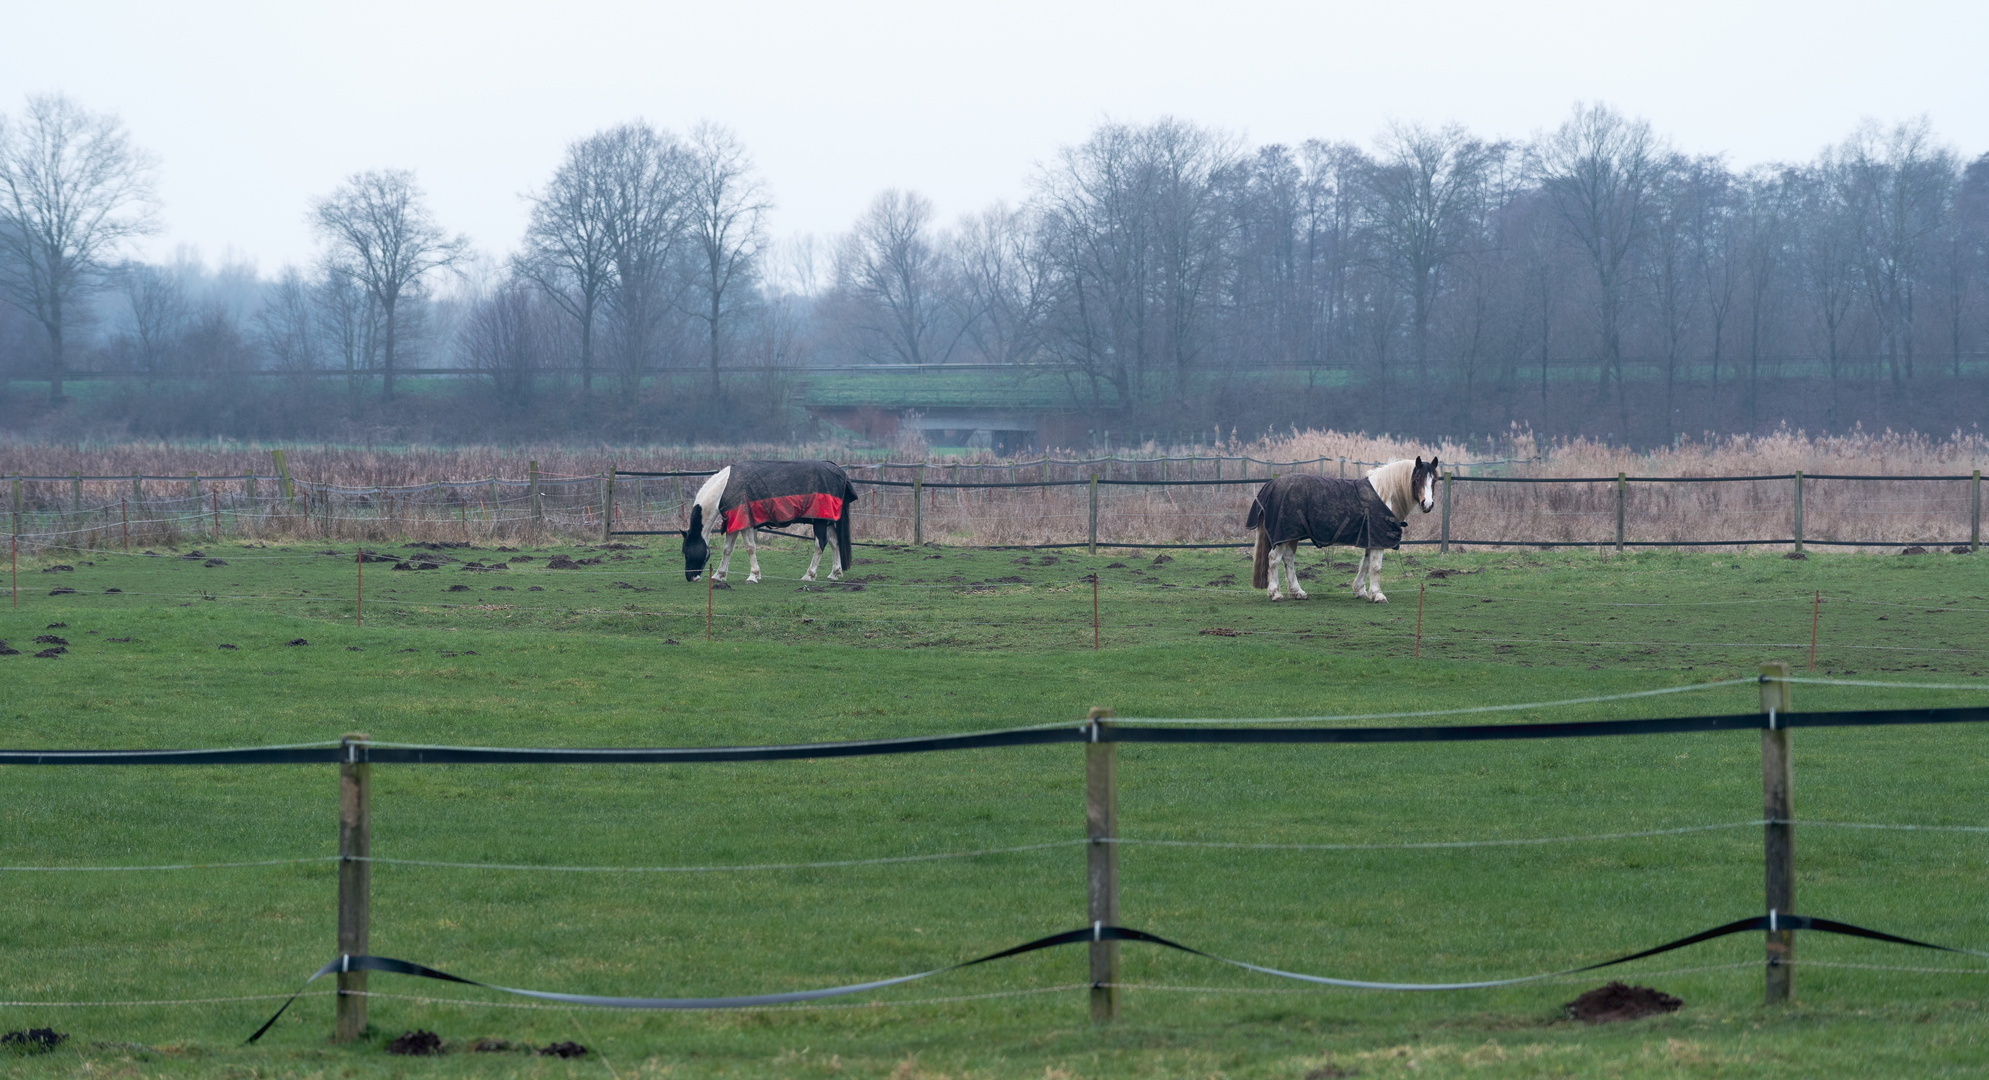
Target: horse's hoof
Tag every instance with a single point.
(1277, 597)
(752, 579)
(1297, 595)
(1377, 598)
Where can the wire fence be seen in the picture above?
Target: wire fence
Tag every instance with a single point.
(1165, 502)
(1099, 735)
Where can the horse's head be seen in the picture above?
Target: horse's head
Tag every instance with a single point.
(1422, 484)
(696, 551)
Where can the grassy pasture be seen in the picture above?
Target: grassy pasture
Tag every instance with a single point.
(962, 641)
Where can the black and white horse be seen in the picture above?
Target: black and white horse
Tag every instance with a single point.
(1367, 513)
(753, 495)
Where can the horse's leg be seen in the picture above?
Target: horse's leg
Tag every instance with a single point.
(725, 557)
(821, 540)
(1277, 561)
(826, 538)
(1360, 575)
(1291, 570)
(1374, 577)
(752, 556)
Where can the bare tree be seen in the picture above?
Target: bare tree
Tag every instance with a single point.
(284, 324)
(158, 312)
(506, 334)
(1898, 180)
(569, 252)
(728, 208)
(1601, 171)
(382, 235)
(1007, 281)
(75, 193)
(1424, 200)
(646, 177)
(895, 277)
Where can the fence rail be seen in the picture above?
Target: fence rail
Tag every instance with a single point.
(1099, 733)
(1089, 503)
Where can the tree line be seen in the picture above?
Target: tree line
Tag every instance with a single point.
(1170, 276)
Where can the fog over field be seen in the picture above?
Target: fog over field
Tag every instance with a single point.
(665, 225)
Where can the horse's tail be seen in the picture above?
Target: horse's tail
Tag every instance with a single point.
(842, 535)
(1260, 566)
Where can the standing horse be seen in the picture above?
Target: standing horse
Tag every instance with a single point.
(1367, 513)
(754, 495)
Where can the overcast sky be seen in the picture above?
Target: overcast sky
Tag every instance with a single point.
(253, 108)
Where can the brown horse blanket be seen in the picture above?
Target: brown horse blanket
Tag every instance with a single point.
(783, 492)
(1326, 511)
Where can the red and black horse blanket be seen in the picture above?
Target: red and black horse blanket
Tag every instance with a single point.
(1326, 511)
(783, 492)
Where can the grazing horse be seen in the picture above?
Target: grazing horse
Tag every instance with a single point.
(753, 495)
(1367, 513)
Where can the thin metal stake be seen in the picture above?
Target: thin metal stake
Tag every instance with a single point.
(1420, 586)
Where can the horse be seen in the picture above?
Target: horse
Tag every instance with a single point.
(1367, 513)
(752, 495)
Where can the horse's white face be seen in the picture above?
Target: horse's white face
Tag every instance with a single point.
(1422, 484)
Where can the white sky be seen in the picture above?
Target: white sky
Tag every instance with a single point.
(254, 107)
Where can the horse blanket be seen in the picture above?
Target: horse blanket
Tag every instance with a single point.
(1326, 511)
(783, 492)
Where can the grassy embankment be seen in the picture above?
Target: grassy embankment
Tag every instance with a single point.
(943, 644)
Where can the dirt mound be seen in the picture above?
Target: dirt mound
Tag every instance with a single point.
(568, 1049)
(1914, 550)
(33, 1040)
(416, 1044)
(1222, 631)
(1606, 1004)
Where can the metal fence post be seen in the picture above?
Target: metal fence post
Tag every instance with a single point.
(1621, 483)
(1094, 513)
(1778, 849)
(538, 507)
(1799, 510)
(355, 846)
(17, 504)
(1101, 828)
(1444, 547)
(1975, 511)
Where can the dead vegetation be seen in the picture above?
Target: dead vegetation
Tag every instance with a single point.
(170, 496)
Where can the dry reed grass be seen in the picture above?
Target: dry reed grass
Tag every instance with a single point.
(347, 493)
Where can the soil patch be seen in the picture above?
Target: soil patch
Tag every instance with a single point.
(1607, 1004)
(416, 1044)
(33, 1040)
(568, 1049)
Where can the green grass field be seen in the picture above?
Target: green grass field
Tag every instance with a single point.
(941, 640)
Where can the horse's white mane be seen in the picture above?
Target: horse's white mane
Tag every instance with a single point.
(708, 497)
(1392, 482)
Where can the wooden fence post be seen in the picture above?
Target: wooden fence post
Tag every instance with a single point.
(282, 476)
(355, 846)
(918, 507)
(1779, 854)
(1093, 533)
(608, 506)
(76, 492)
(1621, 483)
(1975, 511)
(1799, 510)
(1101, 828)
(1444, 547)
(538, 509)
